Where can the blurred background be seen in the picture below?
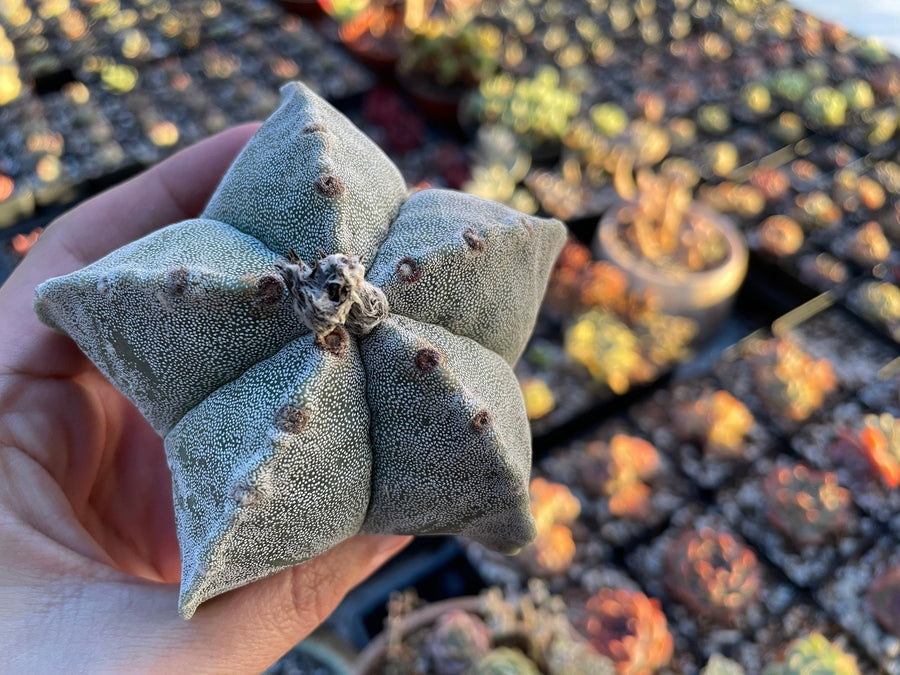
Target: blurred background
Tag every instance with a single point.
(712, 383)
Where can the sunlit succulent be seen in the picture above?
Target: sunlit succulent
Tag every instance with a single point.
(718, 420)
(554, 508)
(608, 348)
(452, 53)
(712, 573)
(825, 107)
(779, 235)
(538, 109)
(879, 301)
(664, 339)
(619, 471)
(807, 505)
(773, 183)
(790, 84)
(879, 442)
(814, 655)
(788, 127)
(609, 119)
(629, 628)
(538, 396)
(869, 246)
(714, 119)
(755, 100)
(659, 223)
(790, 383)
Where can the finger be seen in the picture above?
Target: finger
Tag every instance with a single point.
(243, 631)
(174, 190)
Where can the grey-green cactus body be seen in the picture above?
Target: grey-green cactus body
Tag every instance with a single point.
(287, 432)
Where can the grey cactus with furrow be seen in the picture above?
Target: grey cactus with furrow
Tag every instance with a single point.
(322, 354)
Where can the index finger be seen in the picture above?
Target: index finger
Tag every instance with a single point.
(173, 190)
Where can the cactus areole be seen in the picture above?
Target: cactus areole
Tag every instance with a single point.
(323, 353)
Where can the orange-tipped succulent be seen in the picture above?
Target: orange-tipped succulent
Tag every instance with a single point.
(629, 628)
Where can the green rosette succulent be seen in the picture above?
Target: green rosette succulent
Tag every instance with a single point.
(322, 353)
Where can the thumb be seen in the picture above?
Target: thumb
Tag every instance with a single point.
(249, 628)
(136, 627)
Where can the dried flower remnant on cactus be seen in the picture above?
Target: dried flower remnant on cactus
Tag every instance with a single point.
(459, 640)
(883, 598)
(712, 573)
(629, 628)
(554, 508)
(807, 505)
(790, 383)
(619, 470)
(324, 353)
(718, 420)
(814, 654)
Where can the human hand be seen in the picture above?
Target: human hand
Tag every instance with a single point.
(89, 560)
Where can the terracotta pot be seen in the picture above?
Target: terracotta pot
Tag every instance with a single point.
(705, 297)
(372, 656)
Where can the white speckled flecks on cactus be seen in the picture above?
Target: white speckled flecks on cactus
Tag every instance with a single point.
(284, 439)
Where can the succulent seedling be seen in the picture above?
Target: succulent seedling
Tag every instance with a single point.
(712, 573)
(629, 628)
(807, 505)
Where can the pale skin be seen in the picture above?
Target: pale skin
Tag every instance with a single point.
(89, 561)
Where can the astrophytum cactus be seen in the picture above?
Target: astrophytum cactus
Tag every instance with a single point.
(323, 354)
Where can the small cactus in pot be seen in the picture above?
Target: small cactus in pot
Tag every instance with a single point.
(682, 253)
(304, 395)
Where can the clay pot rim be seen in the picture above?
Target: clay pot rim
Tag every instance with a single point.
(609, 247)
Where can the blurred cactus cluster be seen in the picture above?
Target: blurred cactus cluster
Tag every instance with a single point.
(618, 336)
(494, 634)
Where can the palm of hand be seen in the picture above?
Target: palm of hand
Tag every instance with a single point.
(87, 527)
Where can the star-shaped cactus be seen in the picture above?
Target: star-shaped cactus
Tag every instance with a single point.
(323, 354)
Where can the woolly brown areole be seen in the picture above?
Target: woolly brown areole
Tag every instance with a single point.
(323, 355)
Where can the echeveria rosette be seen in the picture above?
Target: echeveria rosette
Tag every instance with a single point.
(283, 440)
